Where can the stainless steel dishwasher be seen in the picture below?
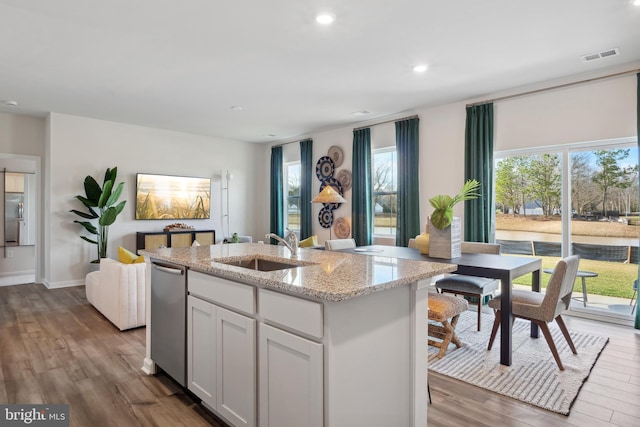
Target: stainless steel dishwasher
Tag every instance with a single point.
(168, 319)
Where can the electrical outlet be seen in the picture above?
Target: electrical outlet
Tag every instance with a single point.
(9, 254)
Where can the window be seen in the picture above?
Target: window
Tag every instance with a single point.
(292, 199)
(575, 199)
(385, 189)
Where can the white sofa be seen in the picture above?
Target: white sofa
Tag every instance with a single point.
(117, 290)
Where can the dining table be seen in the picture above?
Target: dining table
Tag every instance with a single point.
(505, 268)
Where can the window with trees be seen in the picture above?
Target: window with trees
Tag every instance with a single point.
(292, 172)
(578, 199)
(385, 190)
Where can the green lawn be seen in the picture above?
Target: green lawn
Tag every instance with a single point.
(614, 279)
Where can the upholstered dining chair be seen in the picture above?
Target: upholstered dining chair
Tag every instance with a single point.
(544, 308)
(337, 244)
(472, 286)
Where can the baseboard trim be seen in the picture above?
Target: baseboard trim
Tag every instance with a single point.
(148, 366)
(67, 284)
(17, 279)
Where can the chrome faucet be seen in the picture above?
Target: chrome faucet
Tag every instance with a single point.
(291, 244)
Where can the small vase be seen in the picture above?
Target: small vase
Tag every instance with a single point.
(422, 242)
(446, 243)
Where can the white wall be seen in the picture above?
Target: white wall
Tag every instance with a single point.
(80, 146)
(441, 158)
(586, 112)
(22, 135)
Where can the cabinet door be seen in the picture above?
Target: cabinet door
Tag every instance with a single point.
(205, 237)
(154, 241)
(291, 379)
(14, 182)
(236, 367)
(201, 349)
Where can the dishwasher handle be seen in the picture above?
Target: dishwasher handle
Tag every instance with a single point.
(176, 271)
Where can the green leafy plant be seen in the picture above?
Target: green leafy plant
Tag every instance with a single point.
(101, 205)
(443, 204)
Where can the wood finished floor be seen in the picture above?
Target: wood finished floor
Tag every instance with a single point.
(56, 348)
(609, 397)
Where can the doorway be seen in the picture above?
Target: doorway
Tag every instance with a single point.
(19, 207)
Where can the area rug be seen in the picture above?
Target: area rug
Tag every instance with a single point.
(534, 376)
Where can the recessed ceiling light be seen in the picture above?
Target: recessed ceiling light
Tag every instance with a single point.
(421, 68)
(236, 107)
(361, 113)
(636, 3)
(11, 103)
(272, 135)
(325, 19)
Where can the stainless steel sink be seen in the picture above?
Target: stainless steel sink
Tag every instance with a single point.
(262, 264)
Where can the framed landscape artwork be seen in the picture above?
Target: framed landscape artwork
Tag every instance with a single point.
(172, 197)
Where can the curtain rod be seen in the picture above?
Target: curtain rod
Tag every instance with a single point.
(531, 92)
(415, 116)
(287, 143)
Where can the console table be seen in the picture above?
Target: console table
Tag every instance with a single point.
(173, 239)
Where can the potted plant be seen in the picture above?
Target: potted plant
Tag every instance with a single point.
(445, 240)
(101, 205)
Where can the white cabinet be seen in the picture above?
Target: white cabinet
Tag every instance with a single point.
(259, 357)
(236, 367)
(221, 359)
(201, 354)
(291, 379)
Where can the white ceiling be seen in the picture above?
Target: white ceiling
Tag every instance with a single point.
(182, 64)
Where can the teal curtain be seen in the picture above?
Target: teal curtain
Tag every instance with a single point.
(362, 188)
(277, 194)
(637, 323)
(478, 164)
(408, 196)
(306, 170)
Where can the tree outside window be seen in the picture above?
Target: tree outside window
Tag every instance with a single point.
(599, 220)
(292, 200)
(385, 190)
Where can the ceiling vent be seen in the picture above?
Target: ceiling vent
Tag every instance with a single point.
(599, 55)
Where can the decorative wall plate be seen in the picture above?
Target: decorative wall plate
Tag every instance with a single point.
(325, 217)
(344, 178)
(341, 228)
(324, 168)
(337, 186)
(336, 155)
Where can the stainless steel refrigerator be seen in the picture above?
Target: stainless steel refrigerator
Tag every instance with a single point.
(14, 223)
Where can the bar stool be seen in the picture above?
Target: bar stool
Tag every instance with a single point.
(444, 309)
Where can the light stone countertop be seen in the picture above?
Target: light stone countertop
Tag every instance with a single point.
(325, 275)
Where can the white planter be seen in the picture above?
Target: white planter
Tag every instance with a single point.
(445, 243)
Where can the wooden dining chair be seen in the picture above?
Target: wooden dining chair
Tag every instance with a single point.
(544, 308)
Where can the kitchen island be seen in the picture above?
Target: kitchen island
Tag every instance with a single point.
(326, 339)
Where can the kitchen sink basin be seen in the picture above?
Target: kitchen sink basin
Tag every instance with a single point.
(261, 264)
